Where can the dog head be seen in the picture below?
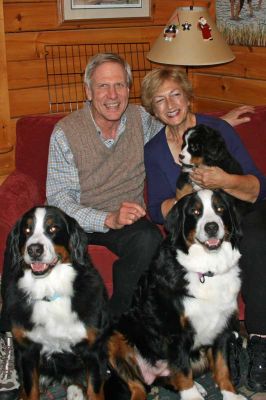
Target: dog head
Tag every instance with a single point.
(202, 145)
(206, 217)
(44, 237)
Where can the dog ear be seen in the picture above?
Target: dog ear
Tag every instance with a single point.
(12, 250)
(78, 242)
(235, 218)
(174, 222)
(215, 151)
(12, 260)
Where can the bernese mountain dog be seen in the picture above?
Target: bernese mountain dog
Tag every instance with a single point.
(57, 304)
(203, 145)
(184, 311)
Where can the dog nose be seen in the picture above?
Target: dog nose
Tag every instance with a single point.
(211, 228)
(181, 157)
(35, 250)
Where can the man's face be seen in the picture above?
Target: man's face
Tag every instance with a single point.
(108, 93)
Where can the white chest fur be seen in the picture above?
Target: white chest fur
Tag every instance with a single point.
(213, 301)
(56, 325)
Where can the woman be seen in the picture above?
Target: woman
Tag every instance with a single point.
(167, 94)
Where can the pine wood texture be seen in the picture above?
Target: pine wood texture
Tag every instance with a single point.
(26, 26)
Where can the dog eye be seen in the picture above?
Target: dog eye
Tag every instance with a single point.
(53, 229)
(194, 147)
(28, 231)
(196, 212)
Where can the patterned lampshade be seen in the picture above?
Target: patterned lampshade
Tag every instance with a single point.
(190, 38)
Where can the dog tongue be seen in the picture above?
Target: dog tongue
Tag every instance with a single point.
(39, 267)
(213, 242)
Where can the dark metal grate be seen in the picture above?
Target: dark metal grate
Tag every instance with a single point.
(65, 66)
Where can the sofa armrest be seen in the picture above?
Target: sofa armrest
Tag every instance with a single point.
(18, 193)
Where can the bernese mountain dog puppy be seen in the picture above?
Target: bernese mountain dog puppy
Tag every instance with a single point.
(57, 304)
(184, 311)
(203, 145)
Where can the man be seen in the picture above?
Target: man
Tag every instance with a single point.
(96, 172)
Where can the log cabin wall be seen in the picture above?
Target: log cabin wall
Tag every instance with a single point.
(26, 26)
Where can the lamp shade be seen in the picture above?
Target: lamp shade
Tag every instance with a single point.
(190, 38)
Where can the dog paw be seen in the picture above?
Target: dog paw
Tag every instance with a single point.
(201, 389)
(191, 394)
(74, 393)
(232, 396)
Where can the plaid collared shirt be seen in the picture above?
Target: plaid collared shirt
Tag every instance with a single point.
(62, 186)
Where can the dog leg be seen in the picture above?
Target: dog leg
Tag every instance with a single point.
(191, 394)
(187, 388)
(201, 389)
(222, 378)
(232, 396)
(137, 390)
(74, 393)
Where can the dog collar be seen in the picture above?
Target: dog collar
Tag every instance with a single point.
(52, 298)
(202, 276)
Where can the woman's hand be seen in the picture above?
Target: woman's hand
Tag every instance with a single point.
(235, 117)
(244, 187)
(209, 177)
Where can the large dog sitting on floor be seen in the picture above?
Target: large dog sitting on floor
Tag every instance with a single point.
(185, 308)
(57, 304)
(203, 146)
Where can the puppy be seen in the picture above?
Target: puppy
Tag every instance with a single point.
(203, 145)
(57, 304)
(185, 308)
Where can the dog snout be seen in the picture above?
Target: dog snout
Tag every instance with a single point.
(35, 250)
(211, 228)
(181, 157)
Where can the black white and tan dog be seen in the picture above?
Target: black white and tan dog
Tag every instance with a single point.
(57, 304)
(185, 309)
(203, 146)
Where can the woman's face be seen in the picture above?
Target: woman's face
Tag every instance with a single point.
(170, 104)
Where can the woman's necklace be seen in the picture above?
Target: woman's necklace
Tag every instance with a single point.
(174, 143)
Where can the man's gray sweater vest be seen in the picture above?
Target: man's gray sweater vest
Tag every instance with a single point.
(107, 176)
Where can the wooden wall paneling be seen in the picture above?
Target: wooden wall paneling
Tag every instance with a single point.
(231, 89)
(43, 15)
(33, 16)
(30, 45)
(36, 16)
(6, 159)
(28, 101)
(249, 63)
(201, 104)
(26, 74)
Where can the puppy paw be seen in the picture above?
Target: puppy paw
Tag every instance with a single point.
(191, 394)
(201, 389)
(74, 393)
(232, 396)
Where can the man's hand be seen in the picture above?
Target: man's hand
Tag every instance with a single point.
(238, 115)
(127, 214)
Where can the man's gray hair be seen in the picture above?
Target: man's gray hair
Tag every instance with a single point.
(101, 58)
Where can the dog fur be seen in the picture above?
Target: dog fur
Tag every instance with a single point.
(185, 308)
(203, 145)
(57, 304)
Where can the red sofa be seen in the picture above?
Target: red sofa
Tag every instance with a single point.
(25, 187)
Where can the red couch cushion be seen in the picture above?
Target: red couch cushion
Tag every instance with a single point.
(22, 194)
(33, 137)
(253, 135)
